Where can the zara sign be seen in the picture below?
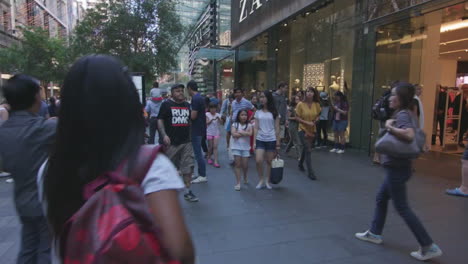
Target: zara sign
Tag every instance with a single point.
(247, 8)
(252, 17)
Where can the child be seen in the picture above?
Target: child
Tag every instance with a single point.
(213, 120)
(241, 131)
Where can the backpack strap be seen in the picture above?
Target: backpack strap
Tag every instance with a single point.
(146, 157)
(143, 163)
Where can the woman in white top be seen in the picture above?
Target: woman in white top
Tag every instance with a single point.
(267, 140)
(241, 131)
(101, 125)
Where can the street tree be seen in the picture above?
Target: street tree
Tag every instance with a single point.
(144, 34)
(38, 55)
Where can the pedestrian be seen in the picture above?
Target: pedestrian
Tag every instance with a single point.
(174, 130)
(213, 120)
(397, 172)
(4, 114)
(240, 103)
(293, 127)
(418, 105)
(198, 129)
(255, 102)
(307, 115)
(279, 97)
(52, 108)
(25, 140)
(322, 125)
(462, 191)
(153, 105)
(267, 139)
(226, 112)
(340, 122)
(96, 151)
(464, 115)
(44, 111)
(241, 131)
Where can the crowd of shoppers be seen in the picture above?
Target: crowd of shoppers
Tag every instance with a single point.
(51, 180)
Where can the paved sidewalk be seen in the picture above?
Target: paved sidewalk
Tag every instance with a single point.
(302, 221)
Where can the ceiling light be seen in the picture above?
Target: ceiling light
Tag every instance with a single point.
(285, 24)
(455, 25)
(307, 13)
(276, 49)
(281, 40)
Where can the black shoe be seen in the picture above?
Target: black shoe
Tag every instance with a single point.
(190, 197)
(311, 176)
(301, 167)
(461, 145)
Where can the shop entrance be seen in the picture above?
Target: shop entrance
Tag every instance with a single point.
(430, 50)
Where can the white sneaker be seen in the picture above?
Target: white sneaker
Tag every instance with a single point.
(333, 150)
(4, 174)
(432, 252)
(369, 237)
(340, 151)
(9, 180)
(237, 187)
(200, 179)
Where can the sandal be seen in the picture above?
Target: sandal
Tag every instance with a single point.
(216, 165)
(210, 161)
(456, 192)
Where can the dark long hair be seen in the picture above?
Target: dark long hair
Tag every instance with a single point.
(238, 118)
(405, 93)
(271, 104)
(100, 124)
(343, 99)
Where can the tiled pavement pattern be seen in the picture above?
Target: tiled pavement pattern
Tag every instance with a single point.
(302, 221)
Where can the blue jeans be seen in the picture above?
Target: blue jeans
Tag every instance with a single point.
(35, 241)
(197, 151)
(394, 187)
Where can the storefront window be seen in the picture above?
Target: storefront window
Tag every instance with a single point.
(430, 50)
(252, 64)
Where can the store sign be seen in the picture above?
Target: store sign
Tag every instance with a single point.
(252, 17)
(254, 5)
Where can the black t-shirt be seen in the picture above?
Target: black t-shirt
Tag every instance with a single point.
(176, 117)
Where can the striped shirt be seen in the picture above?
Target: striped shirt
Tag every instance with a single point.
(237, 106)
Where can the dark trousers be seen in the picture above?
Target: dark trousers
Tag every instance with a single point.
(153, 126)
(197, 151)
(306, 152)
(463, 129)
(441, 121)
(322, 130)
(35, 241)
(394, 187)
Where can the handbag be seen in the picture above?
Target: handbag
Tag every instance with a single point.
(277, 168)
(392, 146)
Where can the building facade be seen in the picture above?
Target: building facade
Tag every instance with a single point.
(358, 47)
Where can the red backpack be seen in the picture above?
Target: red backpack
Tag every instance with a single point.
(115, 224)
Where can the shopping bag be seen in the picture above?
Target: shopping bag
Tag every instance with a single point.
(277, 167)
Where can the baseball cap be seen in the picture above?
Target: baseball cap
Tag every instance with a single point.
(324, 95)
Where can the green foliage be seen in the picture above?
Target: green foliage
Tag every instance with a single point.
(37, 55)
(144, 34)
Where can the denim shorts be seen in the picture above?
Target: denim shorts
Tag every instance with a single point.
(340, 125)
(268, 146)
(228, 124)
(465, 154)
(242, 153)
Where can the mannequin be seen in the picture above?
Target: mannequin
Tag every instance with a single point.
(335, 87)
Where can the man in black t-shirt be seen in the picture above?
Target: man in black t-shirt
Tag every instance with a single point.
(174, 131)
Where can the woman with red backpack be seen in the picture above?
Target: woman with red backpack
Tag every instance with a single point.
(107, 198)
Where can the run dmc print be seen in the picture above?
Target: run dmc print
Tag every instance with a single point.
(180, 116)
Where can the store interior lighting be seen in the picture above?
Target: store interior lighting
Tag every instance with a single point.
(454, 25)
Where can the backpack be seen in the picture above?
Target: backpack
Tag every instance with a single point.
(115, 224)
(381, 110)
